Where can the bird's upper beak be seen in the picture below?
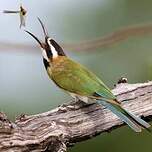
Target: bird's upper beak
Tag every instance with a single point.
(42, 45)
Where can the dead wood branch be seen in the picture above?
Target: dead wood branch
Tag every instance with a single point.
(57, 129)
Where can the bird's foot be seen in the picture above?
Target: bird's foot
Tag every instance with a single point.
(65, 106)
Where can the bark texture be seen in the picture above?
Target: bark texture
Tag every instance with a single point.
(65, 125)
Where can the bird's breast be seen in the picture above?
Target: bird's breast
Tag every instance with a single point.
(58, 67)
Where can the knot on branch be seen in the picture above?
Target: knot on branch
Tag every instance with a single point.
(6, 126)
(56, 145)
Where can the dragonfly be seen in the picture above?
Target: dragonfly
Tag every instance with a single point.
(22, 12)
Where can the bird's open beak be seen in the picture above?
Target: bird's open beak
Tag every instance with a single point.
(44, 31)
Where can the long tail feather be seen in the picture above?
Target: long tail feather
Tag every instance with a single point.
(140, 121)
(133, 121)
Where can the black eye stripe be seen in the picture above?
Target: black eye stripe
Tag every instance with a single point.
(49, 52)
(57, 47)
(46, 63)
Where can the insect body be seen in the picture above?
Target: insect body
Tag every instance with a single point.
(22, 13)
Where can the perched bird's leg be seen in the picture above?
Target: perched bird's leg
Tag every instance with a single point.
(77, 102)
(72, 105)
(75, 99)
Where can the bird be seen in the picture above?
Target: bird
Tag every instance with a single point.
(79, 82)
(22, 12)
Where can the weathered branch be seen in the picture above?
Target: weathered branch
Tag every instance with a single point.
(74, 122)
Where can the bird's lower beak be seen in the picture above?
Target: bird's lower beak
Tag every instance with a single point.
(41, 44)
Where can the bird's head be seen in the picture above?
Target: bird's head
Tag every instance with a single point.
(50, 48)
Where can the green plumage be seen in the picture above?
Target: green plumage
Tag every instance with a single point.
(75, 78)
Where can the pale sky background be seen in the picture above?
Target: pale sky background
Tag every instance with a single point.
(52, 12)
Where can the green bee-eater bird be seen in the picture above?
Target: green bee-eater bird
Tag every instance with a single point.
(81, 83)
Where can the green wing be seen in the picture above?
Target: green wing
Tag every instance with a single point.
(75, 78)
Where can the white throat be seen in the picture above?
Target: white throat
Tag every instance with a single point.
(54, 52)
(44, 55)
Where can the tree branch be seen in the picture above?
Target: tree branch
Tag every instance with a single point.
(65, 125)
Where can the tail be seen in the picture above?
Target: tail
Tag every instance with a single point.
(133, 121)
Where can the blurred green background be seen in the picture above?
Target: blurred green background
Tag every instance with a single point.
(24, 84)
